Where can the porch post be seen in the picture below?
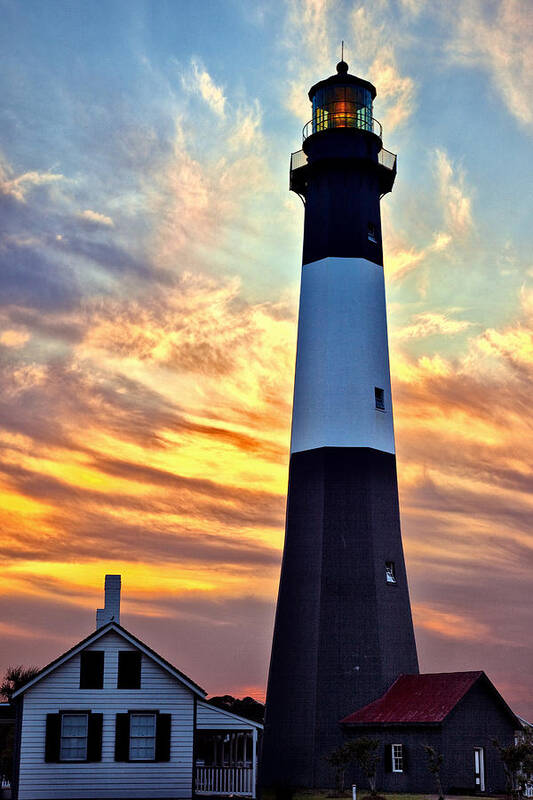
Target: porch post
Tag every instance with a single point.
(254, 761)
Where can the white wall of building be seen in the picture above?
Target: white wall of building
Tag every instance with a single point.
(107, 778)
(342, 355)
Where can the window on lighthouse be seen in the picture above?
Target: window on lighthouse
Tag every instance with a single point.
(379, 395)
(390, 572)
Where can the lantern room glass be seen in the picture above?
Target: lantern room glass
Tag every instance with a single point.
(338, 106)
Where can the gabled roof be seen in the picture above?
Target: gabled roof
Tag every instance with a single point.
(129, 637)
(420, 698)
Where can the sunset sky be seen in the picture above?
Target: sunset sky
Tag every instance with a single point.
(150, 260)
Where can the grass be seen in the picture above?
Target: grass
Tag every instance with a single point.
(362, 793)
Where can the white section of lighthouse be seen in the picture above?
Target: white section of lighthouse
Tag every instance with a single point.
(342, 358)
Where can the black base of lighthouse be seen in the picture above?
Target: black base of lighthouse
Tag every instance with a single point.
(343, 629)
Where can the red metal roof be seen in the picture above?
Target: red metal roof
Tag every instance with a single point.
(417, 698)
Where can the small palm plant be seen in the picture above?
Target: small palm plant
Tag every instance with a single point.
(434, 765)
(362, 751)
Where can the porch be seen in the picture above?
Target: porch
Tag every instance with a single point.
(226, 763)
(226, 747)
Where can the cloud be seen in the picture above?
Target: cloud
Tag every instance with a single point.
(217, 655)
(431, 323)
(402, 259)
(497, 37)
(309, 22)
(449, 625)
(414, 7)
(14, 338)
(396, 91)
(31, 276)
(514, 344)
(58, 325)
(200, 82)
(90, 448)
(456, 202)
(112, 257)
(19, 186)
(199, 325)
(375, 45)
(247, 131)
(95, 218)
(210, 212)
(455, 209)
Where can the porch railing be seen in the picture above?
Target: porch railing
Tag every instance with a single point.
(225, 781)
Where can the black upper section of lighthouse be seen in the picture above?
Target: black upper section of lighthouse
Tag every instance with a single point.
(342, 171)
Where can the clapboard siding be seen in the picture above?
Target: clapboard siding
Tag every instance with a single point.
(209, 717)
(107, 779)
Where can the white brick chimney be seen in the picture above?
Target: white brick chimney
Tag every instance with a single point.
(111, 610)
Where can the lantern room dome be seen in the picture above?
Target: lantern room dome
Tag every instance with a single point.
(343, 78)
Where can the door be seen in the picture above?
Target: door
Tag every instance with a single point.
(479, 769)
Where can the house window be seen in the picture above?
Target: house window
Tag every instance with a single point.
(390, 572)
(379, 396)
(73, 736)
(142, 737)
(74, 729)
(372, 236)
(129, 669)
(92, 669)
(397, 758)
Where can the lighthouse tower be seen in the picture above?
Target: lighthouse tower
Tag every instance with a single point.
(343, 630)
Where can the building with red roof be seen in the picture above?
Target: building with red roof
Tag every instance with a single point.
(459, 714)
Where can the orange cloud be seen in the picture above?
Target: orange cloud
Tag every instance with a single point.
(448, 625)
(14, 338)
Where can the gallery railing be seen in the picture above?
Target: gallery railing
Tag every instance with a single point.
(325, 121)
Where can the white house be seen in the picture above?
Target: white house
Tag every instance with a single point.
(111, 718)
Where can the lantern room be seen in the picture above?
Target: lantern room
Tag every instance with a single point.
(342, 101)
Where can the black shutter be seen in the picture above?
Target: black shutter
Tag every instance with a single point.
(94, 737)
(162, 741)
(92, 669)
(53, 737)
(388, 758)
(405, 758)
(122, 737)
(129, 670)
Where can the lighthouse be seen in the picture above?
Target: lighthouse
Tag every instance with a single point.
(343, 629)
